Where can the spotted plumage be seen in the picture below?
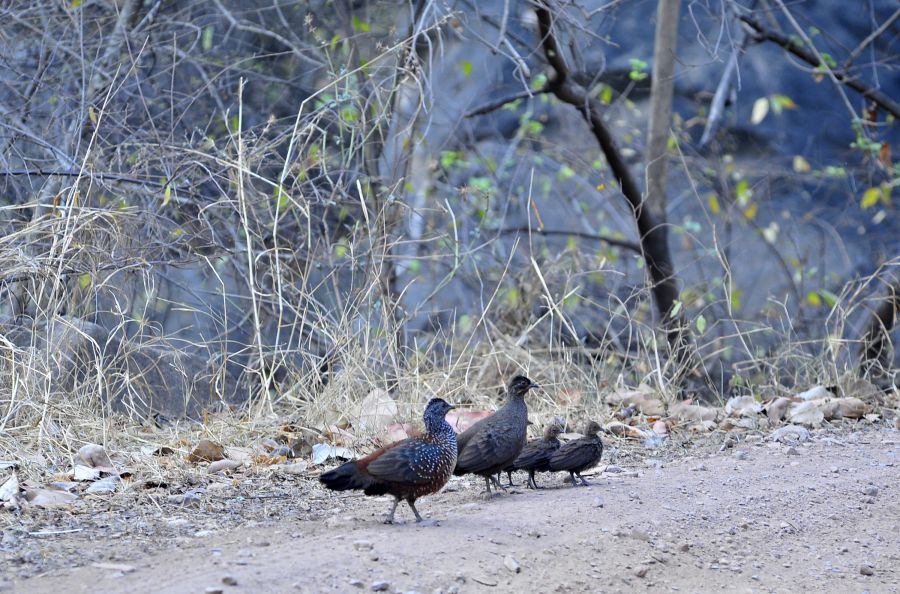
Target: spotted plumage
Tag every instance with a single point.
(491, 444)
(407, 469)
(535, 456)
(579, 454)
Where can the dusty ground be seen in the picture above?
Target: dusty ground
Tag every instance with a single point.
(823, 516)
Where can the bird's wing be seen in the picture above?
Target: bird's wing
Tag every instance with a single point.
(409, 462)
(575, 454)
(535, 453)
(492, 445)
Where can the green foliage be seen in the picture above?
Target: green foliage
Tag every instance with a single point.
(638, 69)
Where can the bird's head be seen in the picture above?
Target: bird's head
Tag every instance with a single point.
(592, 428)
(436, 409)
(519, 385)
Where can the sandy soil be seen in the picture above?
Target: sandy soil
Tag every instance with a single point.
(760, 516)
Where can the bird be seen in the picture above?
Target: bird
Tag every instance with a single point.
(535, 456)
(407, 469)
(491, 444)
(579, 454)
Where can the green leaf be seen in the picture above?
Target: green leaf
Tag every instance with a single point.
(467, 68)
(565, 172)
(360, 25)
(870, 198)
(606, 94)
(282, 199)
(701, 324)
(84, 280)
(829, 297)
(167, 194)
(714, 204)
(813, 299)
(206, 40)
(676, 309)
(742, 192)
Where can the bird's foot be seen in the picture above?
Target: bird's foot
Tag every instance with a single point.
(428, 522)
(389, 520)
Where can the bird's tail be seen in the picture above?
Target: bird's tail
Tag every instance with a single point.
(346, 477)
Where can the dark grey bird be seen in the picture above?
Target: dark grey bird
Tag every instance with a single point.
(579, 454)
(535, 456)
(407, 469)
(491, 444)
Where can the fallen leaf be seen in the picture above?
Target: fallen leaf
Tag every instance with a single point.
(299, 467)
(376, 411)
(734, 424)
(814, 393)
(9, 488)
(790, 434)
(323, 451)
(104, 485)
(623, 430)
(49, 498)
(223, 466)
(807, 413)
(396, 432)
(95, 456)
(153, 450)
(743, 406)
(693, 412)
(660, 428)
(85, 473)
(852, 407)
(462, 420)
(206, 451)
(777, 409)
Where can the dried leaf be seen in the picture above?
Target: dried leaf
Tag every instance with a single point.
(814, 393)
(49, 498)
(323, 451)
(852, 407)
(807, 413)
(376, 411)
(9, 488)
(95, 456)
(742, 406)
(760, 109)
(223, 466)
(692, 412)
(623, 430)
(85, 473)
(206, 451)
(801, 165)
(777, 409)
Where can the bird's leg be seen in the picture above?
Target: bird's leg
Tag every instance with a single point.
(412, 506)
(497, 483)
(572, 478)
(531, 483)
(583, 481)
(390, 517)
(509, 476)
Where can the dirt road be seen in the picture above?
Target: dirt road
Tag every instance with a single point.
(820, 516)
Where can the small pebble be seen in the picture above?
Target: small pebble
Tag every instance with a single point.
(380, 586)
(740, 454)
(641, 571)
(792, 451)
(356, 583)
(229, 580)
(598, 502)
(363, 545)
(866, 570)
(511, 564)
(214, 590)
(871, 491)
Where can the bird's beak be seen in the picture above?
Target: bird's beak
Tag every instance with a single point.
(450, 406)
(533, 385)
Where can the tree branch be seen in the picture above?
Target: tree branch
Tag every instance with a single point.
(810, 58)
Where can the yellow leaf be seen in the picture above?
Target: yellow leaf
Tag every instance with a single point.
(714, 204)
(801, 165)
(167, 196)
(750, 211)
(760, 109)
(870, 198)
(813, 298)
(601, 187)
(84, 280)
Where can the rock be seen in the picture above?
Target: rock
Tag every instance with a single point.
(740, 454)
(790, 434)
(214, 590)
(511, 564)
(114, 567)
(642, 571)
(613, 469)
(380, 586)
(363, 545)
(356, 583)
(792, 451)
(187, 499)
(871, 491)
(866, 569)
(299, 467)
(598, 502)
(852, 407)
(206, 451)
(699, 468)
(230, 580)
